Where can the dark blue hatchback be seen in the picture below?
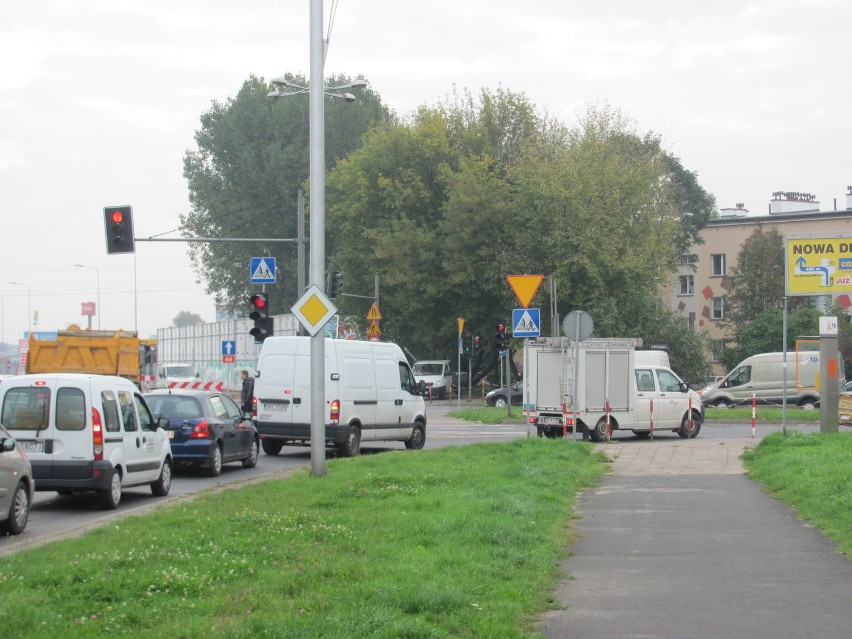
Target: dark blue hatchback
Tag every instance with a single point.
(206, 428)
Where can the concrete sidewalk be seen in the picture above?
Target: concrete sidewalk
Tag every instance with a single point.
(677, 543)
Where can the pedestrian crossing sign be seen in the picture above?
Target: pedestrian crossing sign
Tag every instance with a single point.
(262, 270)
(526, 322)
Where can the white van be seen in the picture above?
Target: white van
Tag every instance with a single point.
(436, 375)
(370, 394)
(763, 375)
(86, 432)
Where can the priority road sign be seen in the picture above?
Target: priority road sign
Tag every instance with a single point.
(313, 309)
(262, 270)
(526, 322)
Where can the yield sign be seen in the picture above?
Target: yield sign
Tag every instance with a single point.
(525, 287)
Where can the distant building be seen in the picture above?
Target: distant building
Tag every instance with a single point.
(698, 294)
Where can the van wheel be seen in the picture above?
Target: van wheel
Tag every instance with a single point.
(598, 433)
(808, 403)
(161, 487)
(19, 511)
(685, 431)
(251, 460)
(110, 497)
(418, 438)
(351, 446)
(215, 467)
(271, 447)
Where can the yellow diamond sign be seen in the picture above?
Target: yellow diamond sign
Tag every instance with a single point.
(313, 310)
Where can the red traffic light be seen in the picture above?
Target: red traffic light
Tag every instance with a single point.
(259, 300)
(117, 217)
(500, 328)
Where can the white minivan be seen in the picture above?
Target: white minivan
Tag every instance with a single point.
(370, 394)
(86, 433)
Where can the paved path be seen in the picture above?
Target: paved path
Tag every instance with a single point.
(678, 543)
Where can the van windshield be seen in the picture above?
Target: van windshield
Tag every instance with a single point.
(179, 371)
(26, 408)
(429, 368)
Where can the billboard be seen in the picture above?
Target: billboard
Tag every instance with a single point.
(817, 265)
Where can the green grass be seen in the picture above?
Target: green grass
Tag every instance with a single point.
(452, 542)
(812, 473)
(489, 415)
(763, 414)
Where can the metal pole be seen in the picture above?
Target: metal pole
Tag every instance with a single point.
(784, 371)
(508, 381)
(576, 379)
(317, 181)
(300, 243)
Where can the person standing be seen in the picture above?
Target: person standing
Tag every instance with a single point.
(247, 392)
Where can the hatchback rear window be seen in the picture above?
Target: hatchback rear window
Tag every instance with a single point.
(26, 408)
(70, 409)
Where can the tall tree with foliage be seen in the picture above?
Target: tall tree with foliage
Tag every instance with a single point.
(251, 159)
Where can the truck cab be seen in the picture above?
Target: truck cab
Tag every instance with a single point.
(178, 373)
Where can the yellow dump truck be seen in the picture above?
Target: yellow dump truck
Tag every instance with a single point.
(79, 351)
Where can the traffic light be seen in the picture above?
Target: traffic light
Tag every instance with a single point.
(118, 221)
(332, 285)
(260, 314)
(466, 345)
(499, 338)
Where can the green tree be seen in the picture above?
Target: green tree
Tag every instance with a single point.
(185, 318)
(251, 159)
(757, 279)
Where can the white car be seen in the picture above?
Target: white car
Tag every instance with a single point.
(86, 433)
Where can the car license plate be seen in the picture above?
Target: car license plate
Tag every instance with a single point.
(32, 447)
(275, 406)
(551, 421)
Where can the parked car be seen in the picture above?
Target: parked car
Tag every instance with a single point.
(86, 433)
(16, 485)
(497, 397)
(205, 428)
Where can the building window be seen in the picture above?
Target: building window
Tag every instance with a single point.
(718, 308)
(687, 285)
(718, 264)
(716, 349)
(691, 321)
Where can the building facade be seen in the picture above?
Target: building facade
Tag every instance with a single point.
(698, 290)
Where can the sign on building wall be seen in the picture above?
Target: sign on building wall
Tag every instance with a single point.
(817, 265)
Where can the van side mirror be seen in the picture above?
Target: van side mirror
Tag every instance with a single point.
(419, 388)
(7, 445)
(163, 422)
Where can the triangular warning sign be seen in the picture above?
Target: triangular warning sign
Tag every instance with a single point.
(373, 313)
(525, 287)
(262, 272)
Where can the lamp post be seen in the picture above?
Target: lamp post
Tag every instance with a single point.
(316, 90)
(98, 273)
(29, 304)
(782, 303)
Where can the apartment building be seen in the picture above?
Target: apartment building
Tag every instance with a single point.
(698, 291)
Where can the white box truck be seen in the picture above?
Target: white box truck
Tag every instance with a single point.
(370, 394)
(638, 397)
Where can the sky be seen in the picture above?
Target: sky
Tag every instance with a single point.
(100, 100)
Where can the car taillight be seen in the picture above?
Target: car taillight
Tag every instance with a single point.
(335, 410)
(253, 406)
(201, 431)
(97, 435)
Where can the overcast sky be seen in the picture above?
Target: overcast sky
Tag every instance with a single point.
(100, 99)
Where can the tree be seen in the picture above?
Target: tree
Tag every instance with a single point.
(185, 318)
(251, 159)
(757, 279)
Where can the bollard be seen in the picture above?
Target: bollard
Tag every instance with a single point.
(652, 420)
(689, 414)
(753, 414)
(564, 420)
(608, 423)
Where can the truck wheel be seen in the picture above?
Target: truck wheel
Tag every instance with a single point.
(110, 497)
(418, 437)
(351, 446)
(271, 446)
(161, 487)
(598, 433)
(685, 431)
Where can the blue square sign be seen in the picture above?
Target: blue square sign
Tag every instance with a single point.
(262, 270)
(526, 322)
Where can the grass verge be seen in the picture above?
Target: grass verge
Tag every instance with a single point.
(452, 542)
(811, 472)
(489, 415)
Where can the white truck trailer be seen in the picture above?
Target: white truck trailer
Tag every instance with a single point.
(604, 383)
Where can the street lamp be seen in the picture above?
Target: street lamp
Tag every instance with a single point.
(285, 88)
(98, 273)
(29, 304)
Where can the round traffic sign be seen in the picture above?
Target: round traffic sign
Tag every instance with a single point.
(578, 325)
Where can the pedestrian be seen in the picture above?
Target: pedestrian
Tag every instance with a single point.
(247, 391)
